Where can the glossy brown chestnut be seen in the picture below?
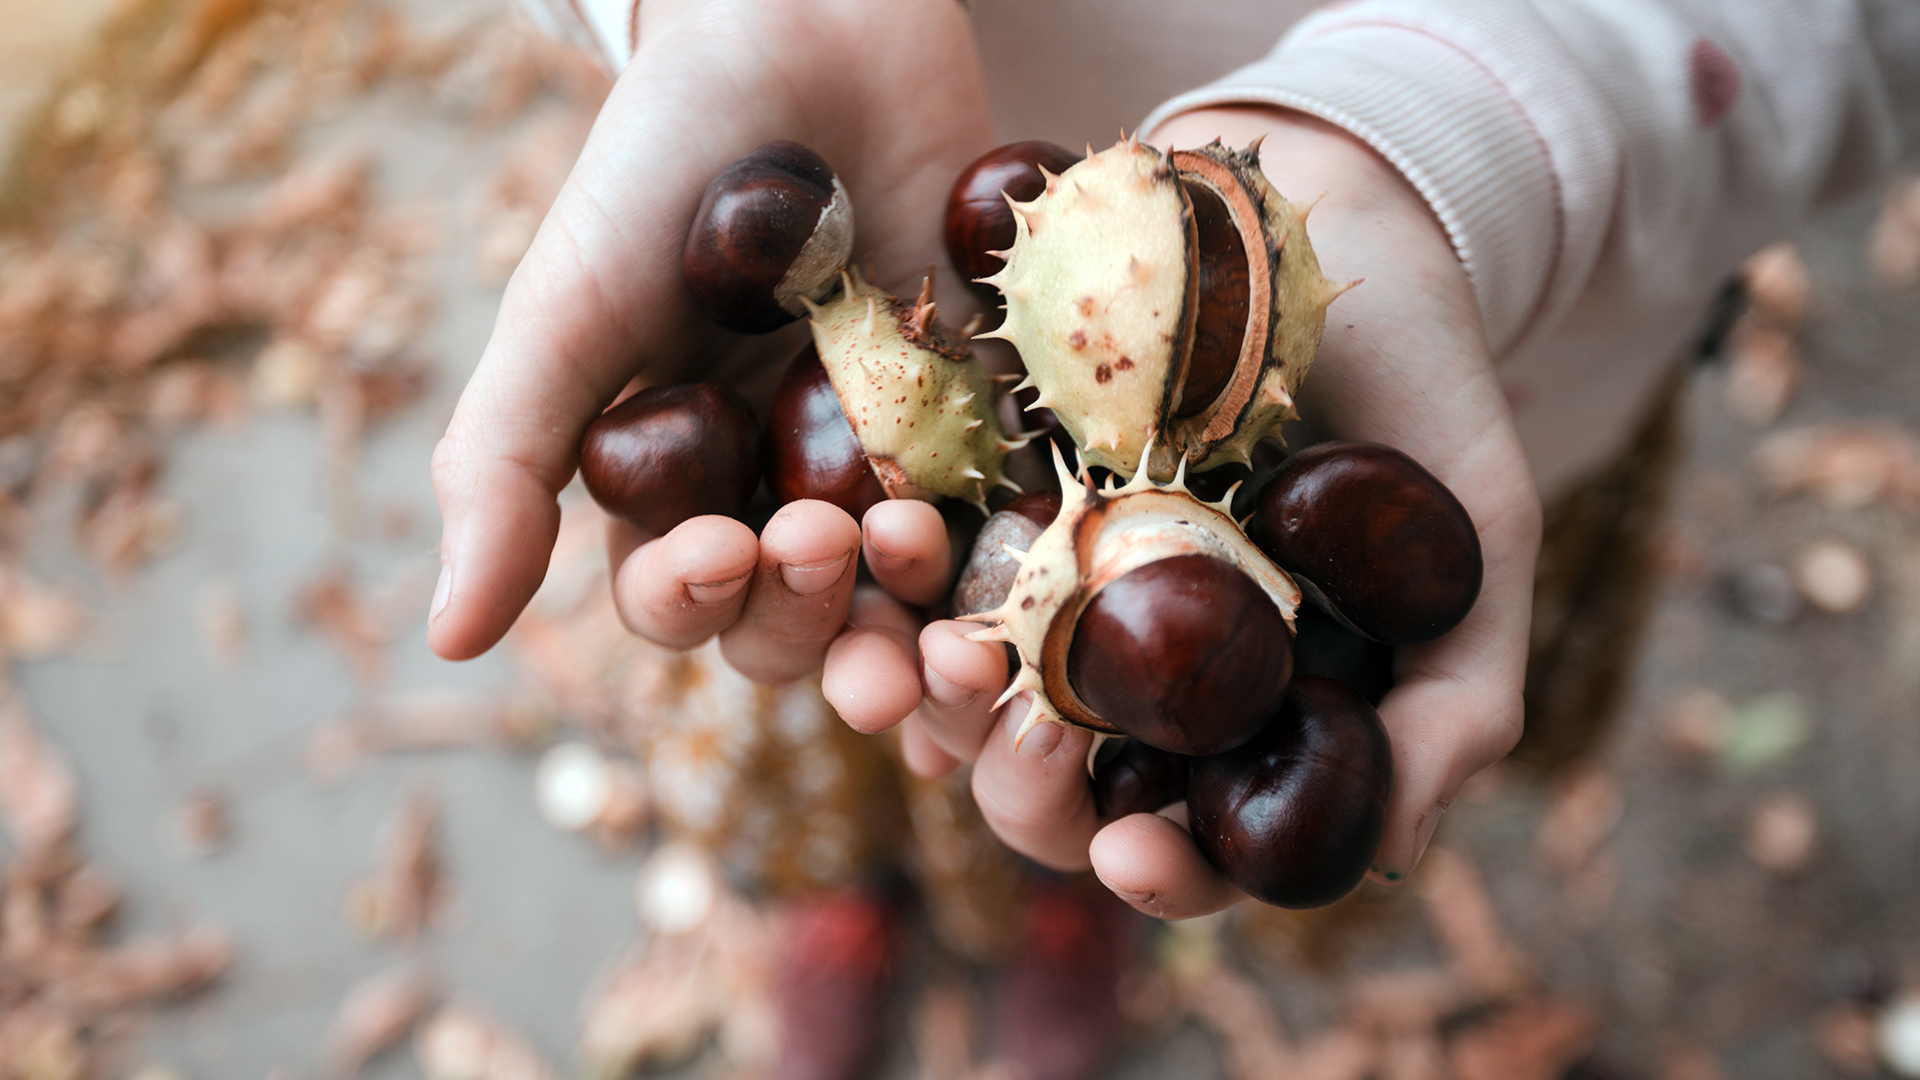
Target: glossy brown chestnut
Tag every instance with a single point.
(1223, 293)
(1186, 654)
(1321, 646)
(988, 576)
(669, 453)
(1293, 818)
(812, 452)
(1372, 537)
(1138, 780)
(978, 218)
(772, 227)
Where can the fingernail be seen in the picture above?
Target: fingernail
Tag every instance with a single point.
(881, 560)
(714, 592)
(1041, 741)
(805, 579)
(442, 590)
(945, 691)
(1143, 899)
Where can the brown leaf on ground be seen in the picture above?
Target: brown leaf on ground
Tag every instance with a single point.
(1783, 833)
(333, 602)
(146, 971)
(1763, 370)
(408, 890)
(39, 801)
(1893, 247)
(1533, 1040)
(1582, 815)
(1846, 465)
(376, 1014)
(1778, 284)
(37, 620)
(1844, 1034)
(462, 1043)
(1464, 920)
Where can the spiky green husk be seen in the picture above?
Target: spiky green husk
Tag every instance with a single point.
(1101, 280)
(1099, 286)
(1098, 537)
(919, 403)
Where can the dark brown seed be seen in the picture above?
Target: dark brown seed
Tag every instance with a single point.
(978, 218)
(988, 576)
(670, 453)
(1186, 654)
(1321, 646)
(753, 221)
(1220, 324)
(1138, 780)
(1293, 817)
(1373, 537)
(812, 452)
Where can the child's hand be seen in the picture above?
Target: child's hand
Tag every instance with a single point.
(891, 96)
(1404, 362)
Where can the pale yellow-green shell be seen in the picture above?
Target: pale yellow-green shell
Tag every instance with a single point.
(1101, 271)
(1097, 538)
(920, 405)
(1098, 287)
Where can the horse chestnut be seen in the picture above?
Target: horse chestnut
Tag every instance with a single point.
(1138, 780)
(988, 576)
(669, 453)
(979, 223)
(773, 228)
(1293, 817)
(1321, 646)
(1372, 537)
(811, 449)
(1186, 654)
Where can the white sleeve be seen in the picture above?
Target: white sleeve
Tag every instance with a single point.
(1636, 148)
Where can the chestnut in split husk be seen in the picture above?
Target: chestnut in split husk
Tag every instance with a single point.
(1186, 654)
(1144, 611)
(1372, 537)
(1138, 780)
(1293, 817)
(669, 453)
(1172, 298)
(773, 228)
(979, 223)
(811, 449)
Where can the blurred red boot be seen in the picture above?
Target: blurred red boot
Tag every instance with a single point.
(832, 986)
(1056, 1010)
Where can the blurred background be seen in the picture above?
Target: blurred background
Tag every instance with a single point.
(249, 252)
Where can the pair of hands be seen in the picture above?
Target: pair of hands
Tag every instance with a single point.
(892, 96)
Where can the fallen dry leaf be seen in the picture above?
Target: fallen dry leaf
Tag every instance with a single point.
(1783, 833)
(1893, 245)
(38, 799)
(462, 1043)
(1847, 466)
(408, 890)
(1834, 575)
(377, 1013)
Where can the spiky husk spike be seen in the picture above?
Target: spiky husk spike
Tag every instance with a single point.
(914, 396)
(1096, 538)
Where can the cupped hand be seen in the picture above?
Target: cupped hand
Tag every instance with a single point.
(1404, 362)
(891, 96)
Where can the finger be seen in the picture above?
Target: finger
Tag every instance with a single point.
(1153, 864)
(801, 591)
(961, 680)
(1036, 798)
(921, 755)
(905, 542)
(686, 586)
(1456, 704)
(872, 676)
